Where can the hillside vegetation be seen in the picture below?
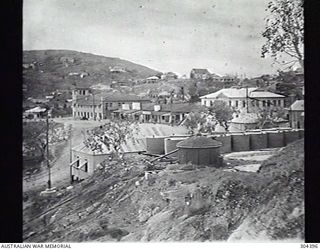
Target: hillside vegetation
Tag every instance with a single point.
(177, 203)
(48, 70)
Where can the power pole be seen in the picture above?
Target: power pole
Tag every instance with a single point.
(94, 110)
(70, 153)
(247, 99)
(48, 163)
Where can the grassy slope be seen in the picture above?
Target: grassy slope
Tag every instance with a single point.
(53, 73)
(225, 206)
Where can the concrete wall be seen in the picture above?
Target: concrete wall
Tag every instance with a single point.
(240, 142)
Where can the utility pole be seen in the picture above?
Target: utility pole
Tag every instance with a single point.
(247, 99)
(70, 152)
(48, 163)
(94, 110)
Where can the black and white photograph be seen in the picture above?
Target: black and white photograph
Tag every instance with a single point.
(163, 121)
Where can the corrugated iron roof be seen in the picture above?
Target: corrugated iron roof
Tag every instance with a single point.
(242, 93)
(199, 142)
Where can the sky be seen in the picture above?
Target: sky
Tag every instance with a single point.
(223, 36)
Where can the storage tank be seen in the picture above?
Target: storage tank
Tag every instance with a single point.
(240, 142)
(200, 150)
(291, 136)
(226, 143)
(275, 139)
(155, 145)
(258, 140)
(170, 144)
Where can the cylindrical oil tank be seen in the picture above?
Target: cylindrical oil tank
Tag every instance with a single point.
(226, 143)
(275, 139)
(258, 140)
(240, 142)
(170, 144)
(199, 150)
(155, 145)
(291, 136)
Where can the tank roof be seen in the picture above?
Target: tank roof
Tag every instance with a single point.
(199, 142)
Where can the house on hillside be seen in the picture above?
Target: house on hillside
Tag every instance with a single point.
(100, 106)
(239, 98)
(169, 76)
(35, 113)
(296, 114)
(152, 79)
(201, 74)
(117, 69)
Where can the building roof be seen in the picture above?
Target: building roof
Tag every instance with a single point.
(36, 110)
(200, 71)
(241, 93)
(110, 97)
(174, 107)
(153, 78)
(298, 105)
(199, 142)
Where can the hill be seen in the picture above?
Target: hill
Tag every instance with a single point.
(47, 70)
(109, 206)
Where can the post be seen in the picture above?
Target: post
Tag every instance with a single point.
(247, 99)
(48, 163)
(94, 110)
(70, 153)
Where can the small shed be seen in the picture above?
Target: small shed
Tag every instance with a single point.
(200, 150)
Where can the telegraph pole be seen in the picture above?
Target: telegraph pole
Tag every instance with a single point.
(48, 163)
(70, 152)
(94, 110)
(247, 99)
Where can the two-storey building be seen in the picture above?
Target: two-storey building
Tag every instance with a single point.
(239, 98)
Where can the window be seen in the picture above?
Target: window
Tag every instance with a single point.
(119, 104)
(268, 103)
(243, 103)
(263, 103)
(236, 103)
(86, 165)
(279, 102)
(110, 104)
(257, 103)
(274, 102)
(230, 103)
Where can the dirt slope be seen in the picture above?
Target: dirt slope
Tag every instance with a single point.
(179, 203)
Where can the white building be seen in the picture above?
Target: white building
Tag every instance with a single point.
(239, 98)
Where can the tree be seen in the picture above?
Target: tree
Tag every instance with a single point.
(221, 112)
(284, 31)
(34, 137)
(199, 122)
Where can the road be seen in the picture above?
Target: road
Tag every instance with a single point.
(60, 171)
